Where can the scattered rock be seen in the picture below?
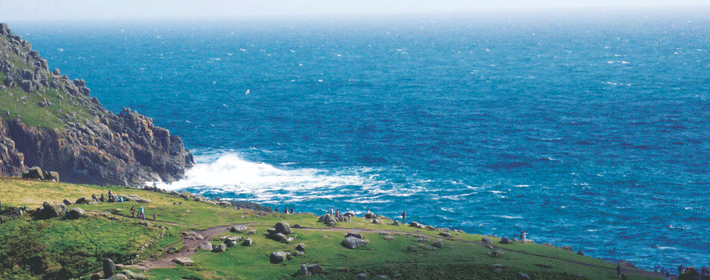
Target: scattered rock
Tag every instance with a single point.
(432, 228)
(568, 248)
(207, 246)
(76, 213)
(232, 240)
(248, 242)
(352, 242)
(445, 234)
(109, 267)
(303, 271)
(279, 256)
(411, 248)
(184, 261)
(253, 231)
(522, 276)
(301, 247)
(389, 237)
(496, 253)
(283, 227)
(383, 277)
(220, 248)
(580, 252)
(415, 224)
(238, 229)
(505, 240)
(361, 275)
(172, 250)
(626, 263)
(49, 211)
(375, 221)
(191, 235)
(315, 269)
(487, 240)
(395, 223)
(118, 277)
(33, 173)
(354, 234)
(134, 275)
(437, 244)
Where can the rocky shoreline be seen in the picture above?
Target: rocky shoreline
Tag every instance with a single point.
(90, 145)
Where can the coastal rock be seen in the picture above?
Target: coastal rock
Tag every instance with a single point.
(184, 261)
(118, 277)
(445, 234)
(487, 240)
(301, 247)
(361, 275)
(248, 242)
(580, 252)
(134, 275)
(33, 173)
(109, 267)
(207, 246)
(82, 200)
(279, 256)
(76, 213)
(219, 248)
(283, 227)
(232, 241)
(303, 271)
(354, 234)
(522, 276)
(238, 229)
(505, 240)
(49, 211)
(568, 249)
(353, 243)
(437, 244)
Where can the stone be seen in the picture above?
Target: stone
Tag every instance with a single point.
(134, 275)
(279, 257)
(303, 271)
(51, 176)
(191, 235)
(109, 267)
(56, 72)
(487, 240)
(301, 247)
(389, 237)
(522, 276)
(375, 221)
(383, 276)
(280, 237)
(353, 243)
(505, 240)
(415, 224)
(232, 241)
(370, 215)
(395, 223)
(184, 261)
(33, 173)
(219, 248)
(248, 242)
(328, 220)
(361, 275)
(76, 213)
(118, 277)
(315, 269)
(495, 253)
(445, 234)
(354, 234)
(432, 228)
(283, 227)
(411, 248)
(238, 229)
(207, 246)
(437, 244)
(82, 200)
(49, 211)
(66, 202)
(580, 252)
(568, 248)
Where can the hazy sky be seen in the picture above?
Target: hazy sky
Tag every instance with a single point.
(139, 9)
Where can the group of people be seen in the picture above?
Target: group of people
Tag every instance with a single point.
(141, 213)
(704, 271)
(288, 210)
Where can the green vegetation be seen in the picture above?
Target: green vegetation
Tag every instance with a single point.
(36, 249)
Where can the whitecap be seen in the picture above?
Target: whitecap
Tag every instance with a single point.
(667, 248)
(508, 217)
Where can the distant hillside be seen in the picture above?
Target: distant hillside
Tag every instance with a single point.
(50, 121)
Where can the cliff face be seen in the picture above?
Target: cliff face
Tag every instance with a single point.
(52, 122)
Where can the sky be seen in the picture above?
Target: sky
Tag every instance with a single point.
(14, 10)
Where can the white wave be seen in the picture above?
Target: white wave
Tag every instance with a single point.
(508, 217)
(229, 172)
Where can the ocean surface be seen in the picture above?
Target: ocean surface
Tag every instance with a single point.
(590, 131)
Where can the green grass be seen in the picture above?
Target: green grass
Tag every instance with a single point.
(64, 247)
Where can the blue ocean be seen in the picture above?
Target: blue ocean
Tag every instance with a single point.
(589, 131)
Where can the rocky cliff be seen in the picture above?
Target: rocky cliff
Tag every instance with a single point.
(50, 121)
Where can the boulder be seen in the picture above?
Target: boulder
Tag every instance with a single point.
(415, 224)
(51, 176)
(135, 198)
(522, 276)
(315, 269)
(82, 200)
(505, 240)
(328, 220)
(76, 213)
(248, 242)
(375, 221)
(232, 241)
(49, 211)
(353, 234)
(370, 215)
(389, 237)
(66, 202)
(580, 252)
(118, 277)
(207, 246)
(303, 271)
(437, 244)
(33, 173)
(283, 227)
(238, 229)
(361, 275)
(279, 256)
(191, 235)
(280, 237)
(220, 248)
(352, 242)
(495, 253)
(487, 240)
(395, 223)
(301, 247)
(445, 234)
(184, 261)
(568, 248)
(134, 275)
(109, 267)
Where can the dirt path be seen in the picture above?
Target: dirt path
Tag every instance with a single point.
(166, 260)
(624, 269)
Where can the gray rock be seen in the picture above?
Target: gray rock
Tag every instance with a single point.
(134, 275)
(82, 200)
(56, 72)
(487, 240)
(411, 248)
(352, 242)
(184, 261)
(66, 202)
(280, 237)
(383, 277)
(415, 224)
(238, 229)
(495, 254)
(522, 276)
(389, 237)
(118, 277)
(303, 271)
(219, 248)
(109, 267)
(76, 213)
(283, 227)
(279, 256)
(361, 275)
(437, 244)
(49, 211)
(248, 242)
(580, 252)
(568, 248)
(207, 246)
(315, 269)
(505, 240)
(301, 247)
(232, 240)
(445, 234)
(354, 234)
(375, 221)
(33, 173)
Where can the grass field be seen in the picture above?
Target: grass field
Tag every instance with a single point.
(54, 248)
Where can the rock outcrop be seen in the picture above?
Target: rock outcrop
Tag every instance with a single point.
(85, 143)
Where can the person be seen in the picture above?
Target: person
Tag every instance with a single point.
(141, 213)
(121, 199)
(155, 215)
(680, 269)
(404, 217)
(276, 210)
(668, 274)
(618, 268)
(331, 211)
(290, 210)
(285, 210)
(133, 211)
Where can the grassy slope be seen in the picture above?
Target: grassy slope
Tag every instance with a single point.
(80, 245)
(32, 114)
